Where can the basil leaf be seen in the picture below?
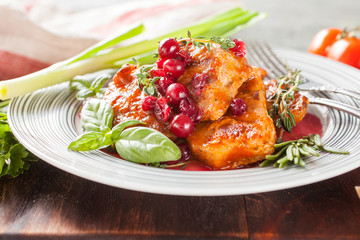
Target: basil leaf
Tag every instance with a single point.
(116, 131)
(146, 145)
(90, 141)
(79, 83)
(90, 77)
(84, 93)
(97, 116)
(99, 82)
(100, 93)
(90, 85)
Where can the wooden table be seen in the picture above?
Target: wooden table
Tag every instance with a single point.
(47, 203)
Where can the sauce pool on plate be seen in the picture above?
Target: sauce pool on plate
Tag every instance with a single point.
(310, 124)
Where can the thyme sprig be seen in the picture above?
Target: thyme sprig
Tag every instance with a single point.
(200, 42)
(146, 83)
(287, 85)
(295, 151)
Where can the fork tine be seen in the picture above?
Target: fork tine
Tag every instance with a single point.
(258, 58)
(271, 63)
(273, 58)
(264, 57)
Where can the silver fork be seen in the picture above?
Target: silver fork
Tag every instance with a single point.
(262, 56)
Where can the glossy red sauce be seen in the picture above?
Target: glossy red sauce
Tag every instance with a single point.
(309, 125)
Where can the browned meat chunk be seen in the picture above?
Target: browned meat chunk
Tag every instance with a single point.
(298, 106)
(232, 141)
(126, 99)
(221, 73)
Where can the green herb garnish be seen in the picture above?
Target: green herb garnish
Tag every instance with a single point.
(287, 85)
(294, 152)
(87, 88)
(14, 158)
(200, 42)
(146, 83)
(136, 144)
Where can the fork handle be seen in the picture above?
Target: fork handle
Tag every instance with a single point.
(337, 105)
(346, 92)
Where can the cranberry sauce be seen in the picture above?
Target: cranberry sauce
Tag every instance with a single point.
(310, 124)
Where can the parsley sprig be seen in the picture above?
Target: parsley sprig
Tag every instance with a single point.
(14, 158)
(200, 42)
(295, 151)
(287, 85)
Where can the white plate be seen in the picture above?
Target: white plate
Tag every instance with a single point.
(45, 122)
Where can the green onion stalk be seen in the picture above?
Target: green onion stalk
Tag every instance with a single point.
(105, 55)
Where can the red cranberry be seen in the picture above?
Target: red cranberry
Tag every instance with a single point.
(185, 154)
(163, 84)
(198, 82)
(176, 92)
(185, 151)
(188, 107)
(182, 126)
(168, 48)
(160, 63)
(162, 109)
(184, 57)
(238, 107)
(158, 73)
(174, 67)
(198, 117)
(149, 103)
(239, 49)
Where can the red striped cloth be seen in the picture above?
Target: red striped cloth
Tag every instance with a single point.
(32, 38)
(13, 65)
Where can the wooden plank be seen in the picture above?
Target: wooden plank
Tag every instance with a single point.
(325, 210)
(46, 201)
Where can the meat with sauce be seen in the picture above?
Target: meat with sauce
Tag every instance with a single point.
(126, 98)
(220, 75)
(232, 141)
(221, 140)
(297, 106)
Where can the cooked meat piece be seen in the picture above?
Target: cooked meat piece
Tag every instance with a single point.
(259, 71)
(232, 141)
(213, 79)
(297, 107)
(126, 99)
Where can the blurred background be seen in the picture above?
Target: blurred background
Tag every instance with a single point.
(290, 24)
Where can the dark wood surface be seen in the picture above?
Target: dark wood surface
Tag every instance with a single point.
(47, 203)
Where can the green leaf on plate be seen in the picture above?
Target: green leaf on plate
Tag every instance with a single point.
(84, 93)
(97, 116)
(89, 87)
(146, 145)
(117, 129)
(79, 83)
(90, 141)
